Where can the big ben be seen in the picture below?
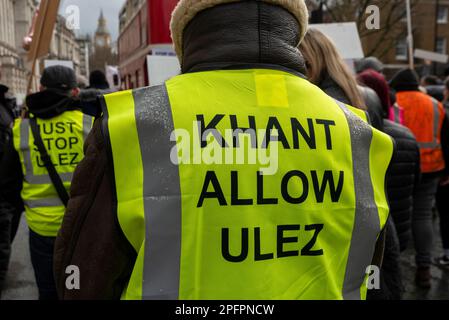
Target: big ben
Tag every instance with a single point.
(102, 36)
(103, 52)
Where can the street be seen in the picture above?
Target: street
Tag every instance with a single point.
(440, 277)
(21, 285)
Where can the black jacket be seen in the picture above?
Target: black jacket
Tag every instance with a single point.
(89, 103)
(391, 282)
(333, 90)
(6, 118)
(402, 178)
(370, 97)
(436, 92)
(6, 210)
(374, 106)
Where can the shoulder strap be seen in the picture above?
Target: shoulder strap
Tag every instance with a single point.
(54, 176)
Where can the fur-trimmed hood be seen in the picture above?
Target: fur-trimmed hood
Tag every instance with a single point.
(230, 33)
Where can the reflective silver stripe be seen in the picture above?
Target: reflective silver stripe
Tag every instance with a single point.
(44, 203)
(397, 113)
(87, 125)
(436, 120)
(25, 147)
(429, 145)
(45, 179)
(29, 176)
(436, 126)
(367, 221)
(162, 195)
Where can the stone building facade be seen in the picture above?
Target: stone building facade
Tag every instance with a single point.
(85, 45)
(15, 20)
(64, 45)
(16, 17)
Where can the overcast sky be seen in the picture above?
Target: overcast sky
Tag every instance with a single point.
(90, 11)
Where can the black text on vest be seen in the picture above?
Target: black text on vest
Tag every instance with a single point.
(318, 186)
(60, 139)
(287, 243)
(298, 133)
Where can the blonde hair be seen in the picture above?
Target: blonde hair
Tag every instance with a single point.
(322, 57)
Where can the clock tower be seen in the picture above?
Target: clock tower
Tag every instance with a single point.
(102, 36)
(103, 49)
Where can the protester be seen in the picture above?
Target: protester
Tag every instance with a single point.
(88, 97)
(6, 210)
(369, 63)
(39, 162)
(317, 47)
(426, 118)
(327, 70)
(97, 80)
(433, 87)
(130, 242)
(442, 201)
(404, 171)
(379, 84)
(403, 176)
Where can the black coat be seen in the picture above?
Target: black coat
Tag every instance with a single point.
(6, 211)
(402, 178)
(370, 97)
(391, 284)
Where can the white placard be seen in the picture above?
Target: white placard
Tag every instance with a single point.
(345, 37)
(64, 63)
(168, 51)
(162, 68)
(113, 77)
(432, 56)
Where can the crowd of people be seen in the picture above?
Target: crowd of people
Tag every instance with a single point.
(416, 183)
(74, 206)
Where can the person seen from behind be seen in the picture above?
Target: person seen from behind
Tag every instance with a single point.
(8, 212)
(442, 201)
(403, 177)
(167, 228)
(39, 163)
(327, 69)
(426, 118)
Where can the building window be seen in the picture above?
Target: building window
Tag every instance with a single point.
(443, 15)
(401, 49)
(441, 46)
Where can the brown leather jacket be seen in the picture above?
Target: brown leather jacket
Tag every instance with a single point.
(90, 236)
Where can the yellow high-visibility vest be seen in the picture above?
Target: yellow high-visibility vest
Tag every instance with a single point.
(297, 218)
(63, 137)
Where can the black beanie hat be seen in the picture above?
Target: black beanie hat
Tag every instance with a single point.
(405, 80)
(59, 77)
(97, 79)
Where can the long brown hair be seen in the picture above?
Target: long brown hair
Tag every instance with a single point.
(322, 57)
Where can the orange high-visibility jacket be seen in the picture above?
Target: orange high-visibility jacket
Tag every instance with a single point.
(424, 116)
